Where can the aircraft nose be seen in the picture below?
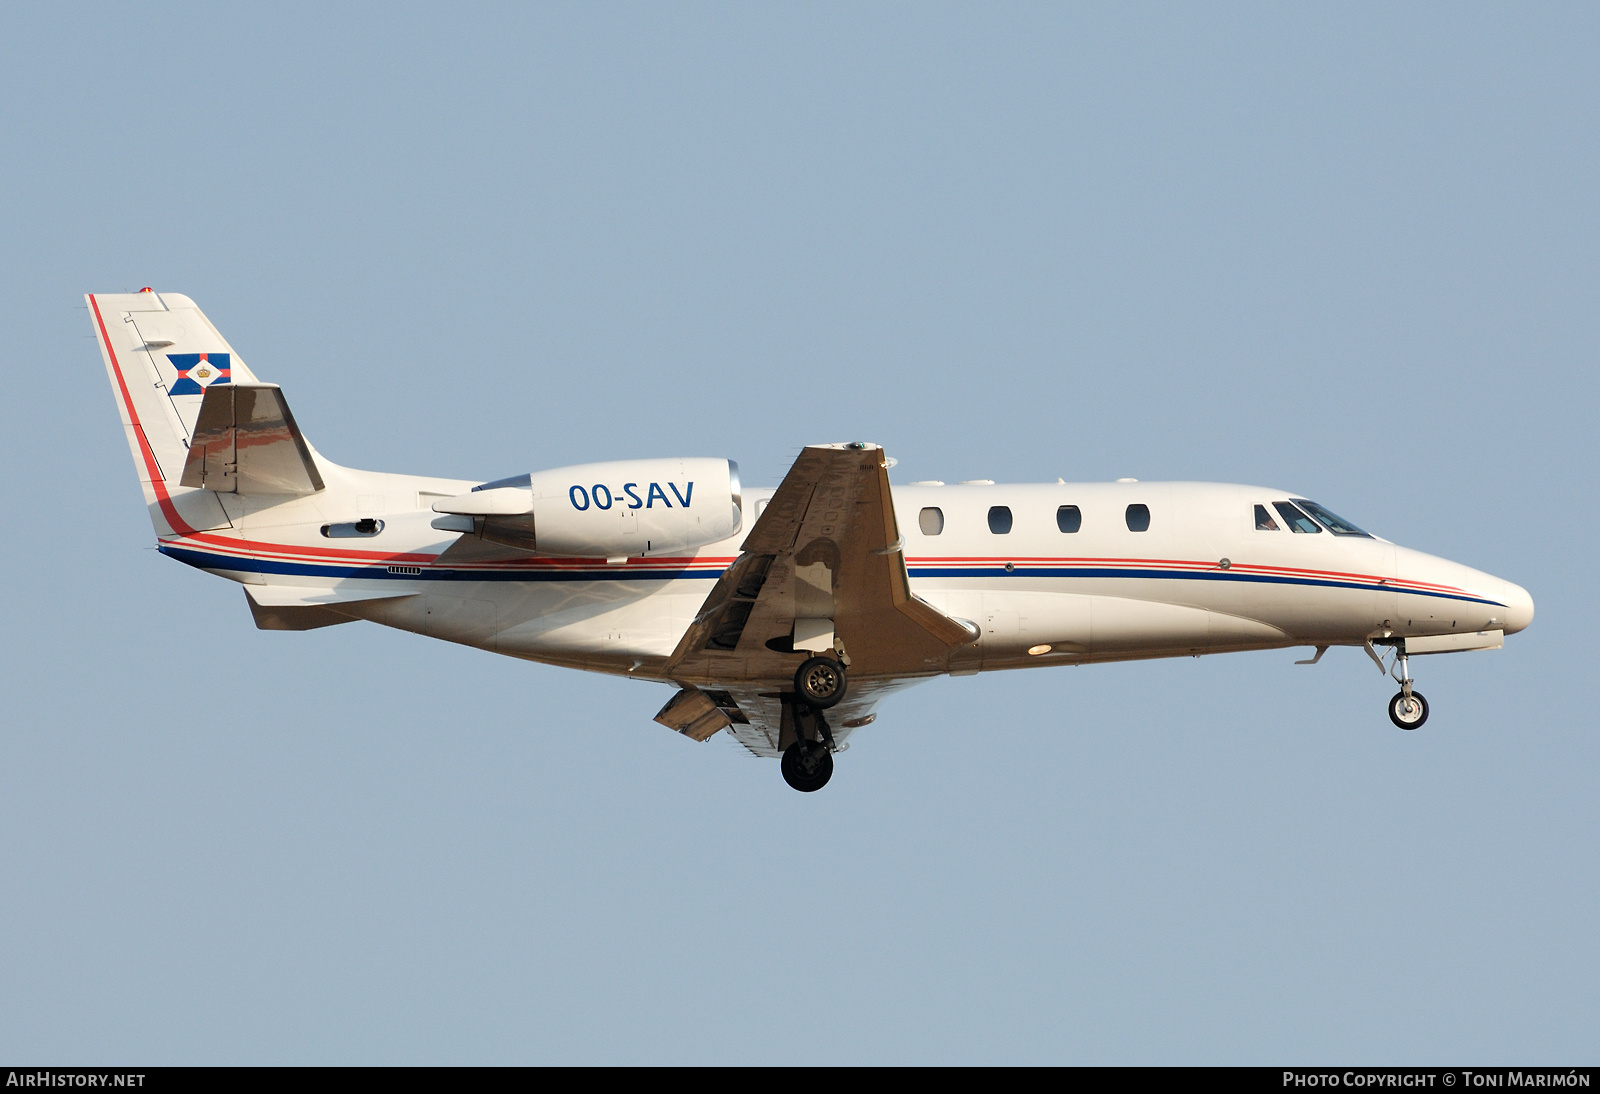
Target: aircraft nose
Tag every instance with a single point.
(1519, 608)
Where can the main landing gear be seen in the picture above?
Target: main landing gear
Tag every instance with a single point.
(808, 760)
(807, 765)
(820, 682)
(1408, 709)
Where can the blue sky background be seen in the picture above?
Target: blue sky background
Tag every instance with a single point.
(1349, 251)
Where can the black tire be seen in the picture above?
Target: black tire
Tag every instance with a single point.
(807, 766)
(820, 681)
(1412, 718)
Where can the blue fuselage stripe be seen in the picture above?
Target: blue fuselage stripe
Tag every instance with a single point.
(207, 561)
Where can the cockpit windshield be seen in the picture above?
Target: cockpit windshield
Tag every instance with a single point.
(1295, 519)
(1330, 520)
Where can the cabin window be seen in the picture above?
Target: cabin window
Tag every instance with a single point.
(1330, 520)
(931, 520)
(1069, 518)
(1264, 521)
(358, 529)
(1138, 517)
(1295, 519)
(999, 519)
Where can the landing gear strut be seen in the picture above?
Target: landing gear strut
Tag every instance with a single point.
(1408, 709)
(808, 762)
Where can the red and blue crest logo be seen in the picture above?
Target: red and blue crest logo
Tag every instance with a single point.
(198, 371)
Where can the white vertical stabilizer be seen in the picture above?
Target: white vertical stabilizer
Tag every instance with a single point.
(161, 354)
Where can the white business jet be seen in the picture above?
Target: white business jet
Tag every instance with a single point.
(781, 616)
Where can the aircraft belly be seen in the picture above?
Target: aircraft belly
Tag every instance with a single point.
(1092, 626)
(1016, 622)
(609, 626)
(1311, 613)
(447, 614)
(472, 622)
(598, 622)
(1124, 625)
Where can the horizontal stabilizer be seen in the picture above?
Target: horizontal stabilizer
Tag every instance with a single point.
(246, 442)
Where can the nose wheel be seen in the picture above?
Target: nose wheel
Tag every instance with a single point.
(1408, 711)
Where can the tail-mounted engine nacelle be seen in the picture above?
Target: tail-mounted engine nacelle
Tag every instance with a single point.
(621, 509)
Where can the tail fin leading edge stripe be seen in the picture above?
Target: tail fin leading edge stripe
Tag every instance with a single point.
(200, 509)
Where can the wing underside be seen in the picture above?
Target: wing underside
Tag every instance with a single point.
(822, 572)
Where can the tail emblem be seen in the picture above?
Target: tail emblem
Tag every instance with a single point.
(198, 371)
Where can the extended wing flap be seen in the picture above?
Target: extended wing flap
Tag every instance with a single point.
(694, 714)
(246, 442)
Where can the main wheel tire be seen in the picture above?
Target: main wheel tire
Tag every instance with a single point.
(820, 681)
(1408, 713)
(807, 766)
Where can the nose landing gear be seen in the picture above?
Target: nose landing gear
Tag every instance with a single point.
(1408, 709)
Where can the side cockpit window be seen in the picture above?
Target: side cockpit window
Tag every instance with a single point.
(1331, 520)
(1295, 519)
(931, 520)
(1264, 521)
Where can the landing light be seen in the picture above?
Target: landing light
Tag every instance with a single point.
(1035, 651)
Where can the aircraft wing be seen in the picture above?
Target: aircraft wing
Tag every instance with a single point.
(823, 568)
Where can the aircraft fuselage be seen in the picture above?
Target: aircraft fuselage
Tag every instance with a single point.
(1200, 578)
